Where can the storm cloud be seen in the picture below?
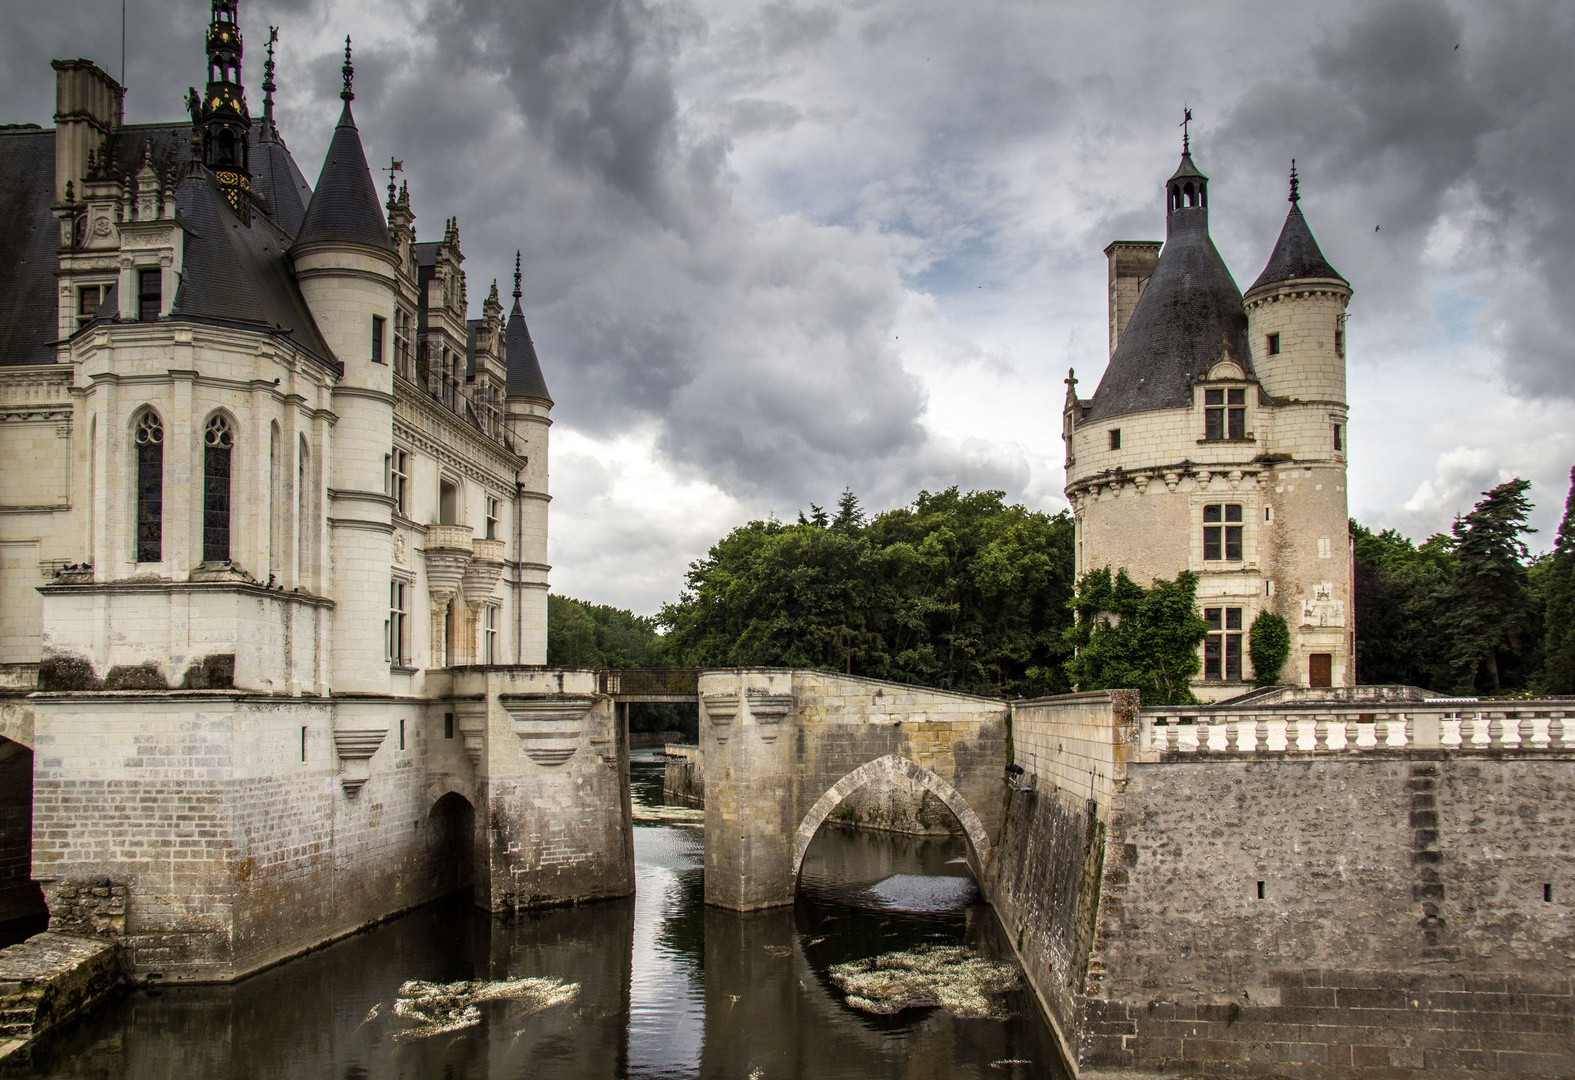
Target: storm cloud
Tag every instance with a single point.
(775, 249)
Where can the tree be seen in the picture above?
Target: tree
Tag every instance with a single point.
(956, 590)
(1402, 593)
(1127, 636)
(1268, 643)
(1559, 590)
(582, 634)
(1488, 599)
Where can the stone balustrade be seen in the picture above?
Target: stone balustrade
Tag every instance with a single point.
(1440, 724)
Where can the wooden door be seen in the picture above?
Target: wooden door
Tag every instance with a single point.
(1320, 669)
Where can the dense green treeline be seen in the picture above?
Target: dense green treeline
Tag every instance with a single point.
(1469, 611)
(958, 591)
(581, 634)
(971, 593)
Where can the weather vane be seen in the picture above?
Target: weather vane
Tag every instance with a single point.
(1186, 136)
(394, 166)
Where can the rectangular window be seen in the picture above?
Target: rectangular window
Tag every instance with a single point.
(492, 519)
(399, 479)
(448, 725)
(1222, 647)
(448, 503)
(1225, 414)
(490, 634)
(1222, 532)
(1214, 418)
(150, 294)
(378, 323)
(1339, 441)
(398, 624)
(1236, 427)
(401, 732)
(1274, 344)
(88, 298)
(1339, 341)
(303, 744)
(1115, 438)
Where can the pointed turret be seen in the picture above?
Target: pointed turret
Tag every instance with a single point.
(1296, 255)
(525, 378)
(345, 208)
(1188, 318)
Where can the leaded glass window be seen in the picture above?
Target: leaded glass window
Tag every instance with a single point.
(218, 444)
(148, 438)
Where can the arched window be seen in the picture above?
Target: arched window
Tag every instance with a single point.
(226, 150)
(148, 438)
(303, 515)
(1186, 196)
(218, 442)
(1175, 196)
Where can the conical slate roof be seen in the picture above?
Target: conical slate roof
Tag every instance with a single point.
(1189, 317)
(1296, 254)
(524, 375)
(344, 207)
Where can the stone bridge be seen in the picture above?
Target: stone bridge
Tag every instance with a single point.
(783, 749)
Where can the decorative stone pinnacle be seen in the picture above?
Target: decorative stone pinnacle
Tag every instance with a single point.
(349, 73)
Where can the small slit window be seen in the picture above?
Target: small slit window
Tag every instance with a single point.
(1115, 438)
(1339, 438)
(378, 324)
(1274, 344)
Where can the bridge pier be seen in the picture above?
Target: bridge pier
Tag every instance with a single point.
(784, 748)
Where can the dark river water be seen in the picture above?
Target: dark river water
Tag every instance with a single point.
(667, 986)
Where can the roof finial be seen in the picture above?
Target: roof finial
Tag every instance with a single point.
(394, 165)
(267, 84)
(1186, 136)
(349, 73)
(516, 275)
(1296, 194)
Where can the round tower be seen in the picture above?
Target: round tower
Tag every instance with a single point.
(1296, 323)
(528, 416)
(346, 265)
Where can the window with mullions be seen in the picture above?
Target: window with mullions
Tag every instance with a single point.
(490, 634)
(218, 443)
(1222, 648)
(398, 645)
(150, 294)
(1222, 532)
(399, 479)
(1225, 414)
(148, 437)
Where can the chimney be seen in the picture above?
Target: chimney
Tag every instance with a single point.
(1131, 265)
(88, 106)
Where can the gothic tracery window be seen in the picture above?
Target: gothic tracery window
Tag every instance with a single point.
(218, 443)
(148, 437)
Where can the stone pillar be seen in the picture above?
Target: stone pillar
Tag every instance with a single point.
(448, 553)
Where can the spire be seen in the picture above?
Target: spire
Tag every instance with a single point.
(1296, 253)
(267, 84)
(1186, 135)
(222, 122)
(345, 207)
(524, 369)
(349, 73)
(1187, 189)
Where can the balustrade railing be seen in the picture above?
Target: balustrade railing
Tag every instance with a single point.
(1532, 725)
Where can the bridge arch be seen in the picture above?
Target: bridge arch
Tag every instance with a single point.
(893, 765)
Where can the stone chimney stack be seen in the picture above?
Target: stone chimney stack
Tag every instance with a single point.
(1131, 264)
(88, 106)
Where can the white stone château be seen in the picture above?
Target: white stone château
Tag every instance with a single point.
(273, 541)
(1216, 441)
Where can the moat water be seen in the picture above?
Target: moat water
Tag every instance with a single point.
(667, 986)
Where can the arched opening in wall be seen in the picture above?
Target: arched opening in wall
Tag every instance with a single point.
(891, 835)
(451, 844)
(22, 910)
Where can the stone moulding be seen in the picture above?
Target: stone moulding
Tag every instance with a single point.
(355, 747)
(721, 710)
(481, 575)
(550, 729)
(768, 710)
(471, 720)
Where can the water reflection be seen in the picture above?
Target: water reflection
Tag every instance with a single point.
(668, 987)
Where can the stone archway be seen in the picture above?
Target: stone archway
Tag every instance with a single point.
(451, 844)
(978, 840)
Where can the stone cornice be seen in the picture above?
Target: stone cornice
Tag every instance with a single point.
(1299, 289)
(256, 590)
(428, 426)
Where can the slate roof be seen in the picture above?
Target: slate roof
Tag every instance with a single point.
(29, 237)
(1296, 255)
(234, 274)
(524, 370)
(1188, 316)
(345, 207)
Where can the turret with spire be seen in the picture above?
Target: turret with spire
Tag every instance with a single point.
(222, 125)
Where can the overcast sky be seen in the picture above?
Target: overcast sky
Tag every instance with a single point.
(773, 250)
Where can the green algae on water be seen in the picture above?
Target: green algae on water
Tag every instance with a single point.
(945, 976)
(438, 1008)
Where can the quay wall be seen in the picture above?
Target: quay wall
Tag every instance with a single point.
(1293, 893)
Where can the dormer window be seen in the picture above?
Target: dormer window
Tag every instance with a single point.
(1225, 414)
